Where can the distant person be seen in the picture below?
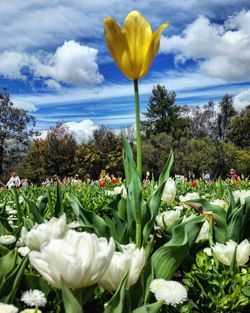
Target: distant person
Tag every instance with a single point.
(24, 183)
(14, 181)
(233, 175)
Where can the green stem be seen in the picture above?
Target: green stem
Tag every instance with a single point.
(138, 235)
(138, 132)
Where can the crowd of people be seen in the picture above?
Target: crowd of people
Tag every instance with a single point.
(15, 182)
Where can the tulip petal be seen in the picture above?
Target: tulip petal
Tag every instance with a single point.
(117, 45)
(157, 35)
(139, 35)
(154, 47)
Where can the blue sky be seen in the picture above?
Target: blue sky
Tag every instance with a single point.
(55, 63)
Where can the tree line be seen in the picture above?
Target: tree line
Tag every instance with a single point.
(206, 138)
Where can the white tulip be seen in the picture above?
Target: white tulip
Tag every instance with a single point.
(189, 196)
(219, 202)
(204, 232)
(79, 258)
(169, 191)
(121, 191)
(241, 195)
(167, 218)
(224, 253)
(42, 233)
(129, 260)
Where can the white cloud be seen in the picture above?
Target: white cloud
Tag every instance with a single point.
(25, 105)
(223, 51)
(11, 64)
(71, 63)
(80, 130)
(242, 99)
(53, 84)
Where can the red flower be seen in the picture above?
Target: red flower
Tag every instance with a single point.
(114, 180)
(194, 183)
(102, 183)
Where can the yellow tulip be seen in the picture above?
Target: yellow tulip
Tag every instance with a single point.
(135, 46)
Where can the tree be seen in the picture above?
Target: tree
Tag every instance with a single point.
(239, 129)
(227, 111)
(202, 120)
(162, 112)
(16, 127)
(60, 151)
(102, 152)
(54, 155)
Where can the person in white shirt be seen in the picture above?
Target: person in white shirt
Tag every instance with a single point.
(14, 181)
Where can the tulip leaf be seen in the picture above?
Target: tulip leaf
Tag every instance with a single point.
(167, 168)
(70, 303)
(133, 182)
(220, 227)
(12, 282)
(150, 308)
(150, 211)
(18, 208)
(89, 218)
(120, 301)
(169, 257)
(7, 264)
(34, 210)
(58, 205)
(238, 221)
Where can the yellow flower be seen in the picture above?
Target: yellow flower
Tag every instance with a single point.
(135, 46)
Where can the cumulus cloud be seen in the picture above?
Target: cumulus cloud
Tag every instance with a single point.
(71, 63)
(80, 130)
(223, 51)
(242, 99)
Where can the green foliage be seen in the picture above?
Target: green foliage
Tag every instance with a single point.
(227, 111)
(162, 112)
(215, 288)
(102, 152)
(16, 128)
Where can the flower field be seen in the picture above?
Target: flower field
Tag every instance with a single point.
(158, 247)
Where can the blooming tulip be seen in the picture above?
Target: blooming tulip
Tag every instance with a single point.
(134, 47)
(241, 195)
(43, 233)
(79, 258)
(129, 260)
(167, 218)
(169, 191)
(224, 253)
(102, 183)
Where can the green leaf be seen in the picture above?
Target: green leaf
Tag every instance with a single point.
(18, 208)
(169, 257)
(58, 205)
(246, 291)
(150, 308)
(34, 210)
(220, 227)
(70, 303)
(120, 301)
(12, 282)
(167, 168)
(7, 264)
(89, 218)
(133, 182)
(150, 211)
(238, 221)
